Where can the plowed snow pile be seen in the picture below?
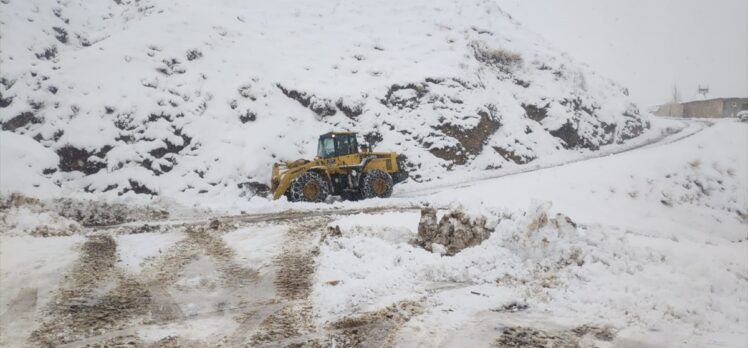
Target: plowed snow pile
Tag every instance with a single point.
(546, 271)
(194, 100)
(22, 215)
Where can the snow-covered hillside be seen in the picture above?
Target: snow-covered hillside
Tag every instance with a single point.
(194, 99)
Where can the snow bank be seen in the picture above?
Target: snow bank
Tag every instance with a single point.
(23, 216)
(571, 273)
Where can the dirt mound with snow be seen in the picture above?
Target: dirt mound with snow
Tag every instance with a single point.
(373, 329)
(582, 336)
(21, 214)
(455, 231)
(187, 113)
(95, 213)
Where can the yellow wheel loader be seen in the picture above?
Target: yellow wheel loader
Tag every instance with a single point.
(340, 168)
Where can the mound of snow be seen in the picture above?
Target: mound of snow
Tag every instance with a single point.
(552, 266)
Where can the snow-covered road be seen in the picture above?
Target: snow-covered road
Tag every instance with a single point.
(685, 129)
(644, 247)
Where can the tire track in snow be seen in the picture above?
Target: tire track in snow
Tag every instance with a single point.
(101, 302)
(296, 268)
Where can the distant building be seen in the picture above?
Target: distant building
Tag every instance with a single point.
(712, 108)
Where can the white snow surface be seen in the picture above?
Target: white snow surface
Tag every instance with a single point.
(256, 246)
(134, 250)
(190, 99)
(34, 263)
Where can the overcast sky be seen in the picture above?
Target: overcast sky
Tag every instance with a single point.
(649, 45)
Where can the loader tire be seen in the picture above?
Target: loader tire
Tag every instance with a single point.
(376, 183)
(309, 187)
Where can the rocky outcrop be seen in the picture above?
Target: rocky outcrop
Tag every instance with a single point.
(453, 233)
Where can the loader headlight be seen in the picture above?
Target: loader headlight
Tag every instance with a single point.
(353, 172)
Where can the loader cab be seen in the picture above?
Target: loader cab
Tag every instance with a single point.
(336, 144)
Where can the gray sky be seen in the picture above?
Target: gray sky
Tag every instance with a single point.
(648, 45)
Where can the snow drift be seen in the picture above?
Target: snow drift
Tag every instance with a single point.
(196, 99)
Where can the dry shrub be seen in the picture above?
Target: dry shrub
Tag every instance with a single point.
(503, 59)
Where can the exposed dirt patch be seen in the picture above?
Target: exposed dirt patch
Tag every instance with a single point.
(296, 267)
(322, 107)
(82, 160)
(212, 245)
(5, 102)
(201, 239)
(288, 327)
(118, 341)
(61, 34)
(248, 116)
(406, 96)
(15, 200)
(602, 134)
(47, 54)
(170, 147)
(171, 66)
(254, 188)
(99, 300)
(471, 141)
(373, 138)
(96, 213)
(99, 253)
(605, 333)
(297, 262)
(101, 305)
(582, 336)
(374, 329)
(295, 277)
(78, 312)
(568, 133)
(351, 109)
(536, 113)
(454, 232)
(504, 60)
(529, 337)
(633, 127)
(177, 342)
(512, 156)
(583, 131)
(144, 228)
(49, 222)
(512, 307)
(193, 54)
(21, 120)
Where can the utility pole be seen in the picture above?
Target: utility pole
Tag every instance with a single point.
(676, 95)
(703, 91)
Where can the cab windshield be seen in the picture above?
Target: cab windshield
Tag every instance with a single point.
(326, 147)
